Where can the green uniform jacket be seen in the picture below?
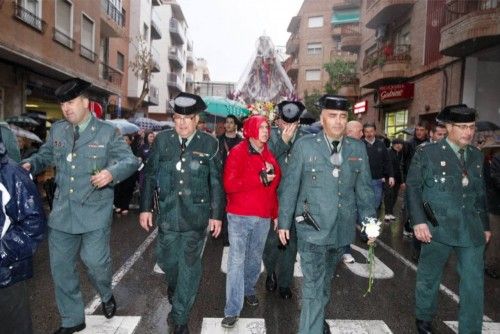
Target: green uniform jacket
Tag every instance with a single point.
(279, 148)
(435, 177)
(10, 142)
(332, 201)
(189, 197)
(78, 206)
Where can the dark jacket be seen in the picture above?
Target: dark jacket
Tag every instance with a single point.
(409, 148)
(492, 179)
(396, 159)
(23, 219)
(378, 157)
(226, 144)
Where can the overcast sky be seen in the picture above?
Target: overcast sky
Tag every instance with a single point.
(224, 32)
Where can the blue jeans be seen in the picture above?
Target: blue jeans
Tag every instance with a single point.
(247, 238)
(378, 187)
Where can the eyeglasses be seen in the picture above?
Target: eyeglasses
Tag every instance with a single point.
(464, 127)
(180, 118)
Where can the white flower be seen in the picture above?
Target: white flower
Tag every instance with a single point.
(372, 227)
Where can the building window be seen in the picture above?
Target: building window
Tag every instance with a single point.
(315, 22)
(30, 12)
(396, 121)
(120, 61)
(63, 30)
(145, 33)
(87, 38)
(314, 48)
(313, 75)
(402, 39)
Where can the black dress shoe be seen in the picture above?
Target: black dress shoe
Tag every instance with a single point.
(326, 328)
(109, 308)
(423, 327)
(181, 329)
(285, 293)
(491, 272)
(170, 294)
(70, 330)
(271, 282)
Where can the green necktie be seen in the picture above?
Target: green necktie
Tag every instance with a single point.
(462, 157)
(335, 144)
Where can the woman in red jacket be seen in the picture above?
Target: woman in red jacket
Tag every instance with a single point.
(251, 178)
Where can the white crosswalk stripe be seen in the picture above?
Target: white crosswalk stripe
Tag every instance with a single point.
(488, 327)
(98, 324)
(243, 326)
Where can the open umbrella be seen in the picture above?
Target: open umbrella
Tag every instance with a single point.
(221, 106)
(22, 120)
(124, 126)
(486, 126)
(24, 133)
(147, 123)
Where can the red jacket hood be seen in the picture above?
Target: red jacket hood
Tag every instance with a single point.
(251, 126)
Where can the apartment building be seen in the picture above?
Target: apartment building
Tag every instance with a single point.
(44, 42)
(418, 56)
(316, 39)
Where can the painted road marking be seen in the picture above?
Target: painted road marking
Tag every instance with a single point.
(98, 324)
(409, 264)
(243, 326)
(96, 301)
(358, 327)
(380, 270)
(488, 327)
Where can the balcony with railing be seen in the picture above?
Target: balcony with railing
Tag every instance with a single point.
(470, 25)
(346, 4)
(112, 19)
(293, 44)
(155, 25)
(175, 57)
(350, 38)
(155, 57)
(380, 12)
(291, 67)
(29, 18)
(387, 65)
(62, 38)
(109, 74)
(174, 83)
(190, 57)
(177, 32)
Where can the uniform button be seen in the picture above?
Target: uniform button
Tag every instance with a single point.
(180, 193)
(72, 178)
(183, 159)
(71, 191)
(339, 194)
(73, 167)
(465, 195)
(463, 206)
(340, 205)
(340, 181)
(182, 170)
(181, 181)
(202, 201)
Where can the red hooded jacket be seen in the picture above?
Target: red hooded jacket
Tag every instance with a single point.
(246, 194)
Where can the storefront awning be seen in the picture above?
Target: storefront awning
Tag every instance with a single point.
(345, 16)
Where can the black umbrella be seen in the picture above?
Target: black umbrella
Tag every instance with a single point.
(486, 126)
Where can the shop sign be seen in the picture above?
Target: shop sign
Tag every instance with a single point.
(360, 107)
(394, 93)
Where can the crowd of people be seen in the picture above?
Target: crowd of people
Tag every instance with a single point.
(271, 191)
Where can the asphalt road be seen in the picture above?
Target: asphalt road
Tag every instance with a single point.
(141, 292)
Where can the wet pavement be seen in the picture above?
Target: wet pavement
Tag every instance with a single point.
(141, 292)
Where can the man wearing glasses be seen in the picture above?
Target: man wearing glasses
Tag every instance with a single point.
(447, 207)
(184, 169)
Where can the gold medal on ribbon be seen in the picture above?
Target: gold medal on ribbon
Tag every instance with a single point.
(178, 165)
(335, 172)
(465, 181)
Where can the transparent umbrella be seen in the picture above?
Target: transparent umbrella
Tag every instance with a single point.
(20, 132)
(124, 126)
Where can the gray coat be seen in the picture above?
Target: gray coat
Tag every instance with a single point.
(333, 202)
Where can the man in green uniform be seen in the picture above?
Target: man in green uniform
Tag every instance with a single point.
(184, 168)
(277, 257)
(90, 156)
(10, 142)
(447, 207)
(327, 182)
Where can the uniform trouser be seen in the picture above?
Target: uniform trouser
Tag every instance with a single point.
(95, 254)
(390, 198)
(179, 256)
(318, 266)
(284, 258)
(15, 309)
(470, 266)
